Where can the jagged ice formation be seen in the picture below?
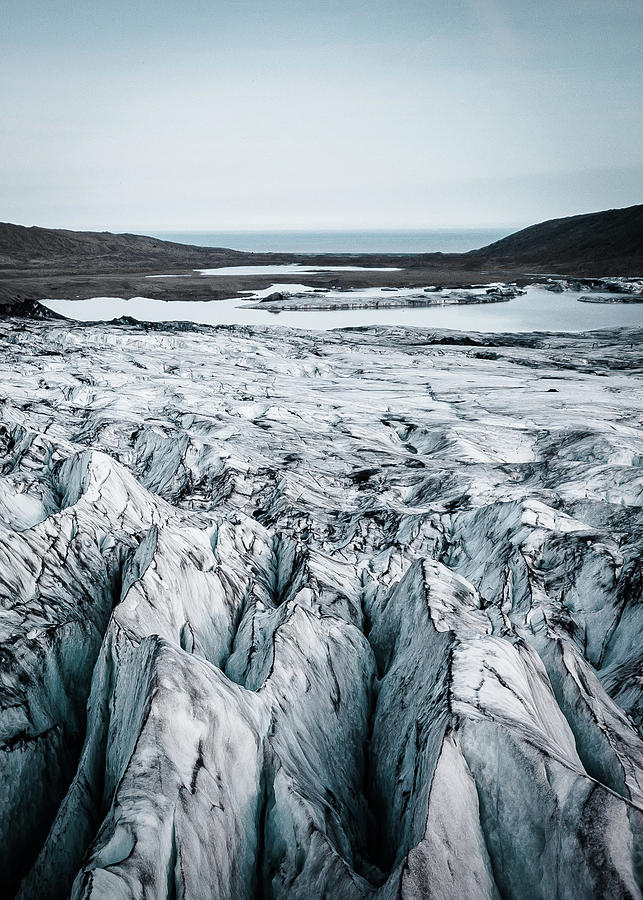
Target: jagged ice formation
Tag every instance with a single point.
(345, 615)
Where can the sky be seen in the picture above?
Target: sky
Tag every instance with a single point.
(256, 114)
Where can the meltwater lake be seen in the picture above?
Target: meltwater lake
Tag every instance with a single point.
(537, 310)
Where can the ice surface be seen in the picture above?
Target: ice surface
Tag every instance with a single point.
(298, 614)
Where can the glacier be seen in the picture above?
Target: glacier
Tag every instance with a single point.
(342, 614)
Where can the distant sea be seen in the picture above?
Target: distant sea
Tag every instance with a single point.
(422, 241)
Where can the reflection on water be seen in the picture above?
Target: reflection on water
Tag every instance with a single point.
(537, 310)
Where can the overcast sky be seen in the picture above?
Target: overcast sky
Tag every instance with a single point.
(152, 114)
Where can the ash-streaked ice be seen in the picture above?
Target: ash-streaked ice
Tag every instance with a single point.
(299, 614)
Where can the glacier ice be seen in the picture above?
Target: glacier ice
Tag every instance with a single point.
(292, 614)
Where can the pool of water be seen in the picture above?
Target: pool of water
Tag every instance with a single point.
(537, 310)
(285, 269)
(290, 269)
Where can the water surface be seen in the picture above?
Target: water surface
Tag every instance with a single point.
(436, 240)
(287, 269)
(537, 310)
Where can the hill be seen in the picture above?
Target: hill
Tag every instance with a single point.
(601, 243)
(53, 245)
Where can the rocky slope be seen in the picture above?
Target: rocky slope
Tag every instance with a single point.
(338, 615)
(96, 249)
(600, 243)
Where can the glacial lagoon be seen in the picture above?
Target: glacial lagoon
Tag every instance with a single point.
(537, 310)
